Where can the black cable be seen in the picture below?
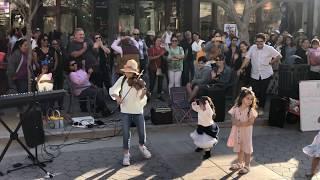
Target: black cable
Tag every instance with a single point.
(57, 147)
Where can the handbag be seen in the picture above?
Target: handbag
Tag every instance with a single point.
(55, 120)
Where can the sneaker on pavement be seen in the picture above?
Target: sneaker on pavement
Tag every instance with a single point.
(145, 152)
(126, 160)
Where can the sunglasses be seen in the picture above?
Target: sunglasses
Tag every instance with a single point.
(98, 37)
(136, 34)
(73, 64)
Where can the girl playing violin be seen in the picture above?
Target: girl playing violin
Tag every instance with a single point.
(130, 93)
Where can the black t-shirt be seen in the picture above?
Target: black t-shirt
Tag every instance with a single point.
(88, 55)
(102, 58)
(49, 56)
(187, 47)
(303, 54)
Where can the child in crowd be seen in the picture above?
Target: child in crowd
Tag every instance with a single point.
(243, 116)
(313, 150)
(206, 126)
(44, 80)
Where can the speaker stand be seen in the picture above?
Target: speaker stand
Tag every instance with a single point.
(35, 162)
(14, 136)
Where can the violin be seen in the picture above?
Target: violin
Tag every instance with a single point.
(137, 83)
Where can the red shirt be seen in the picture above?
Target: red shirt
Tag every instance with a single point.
(155, 63)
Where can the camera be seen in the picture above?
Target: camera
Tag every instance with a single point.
(214, 67)
(197, 101)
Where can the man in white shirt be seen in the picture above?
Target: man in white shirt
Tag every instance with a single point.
(167, 36)
(262, 57)
(196, 45)
(142, 49)
(35, 37)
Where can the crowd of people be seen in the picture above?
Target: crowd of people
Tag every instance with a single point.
(133, 64)
(180, 58)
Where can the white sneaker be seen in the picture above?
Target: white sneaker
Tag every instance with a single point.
(145, 152)
(126, 160)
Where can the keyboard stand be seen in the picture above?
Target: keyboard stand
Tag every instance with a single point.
(14, 136)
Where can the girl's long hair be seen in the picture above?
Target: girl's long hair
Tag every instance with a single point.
(203, 100)
(243, 93)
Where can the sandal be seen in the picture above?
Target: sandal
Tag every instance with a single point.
(235, 167)
(244, 170)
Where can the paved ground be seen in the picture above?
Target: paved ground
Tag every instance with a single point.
(277, 155)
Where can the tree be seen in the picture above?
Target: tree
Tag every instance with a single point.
(243, 20)
(28, 10)
(84, 10)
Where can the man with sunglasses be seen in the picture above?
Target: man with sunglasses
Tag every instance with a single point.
(102, 76)
(82, 88)
(262, 57)
(200, 79)
(143, 54)
(221, 73)
(82, 48)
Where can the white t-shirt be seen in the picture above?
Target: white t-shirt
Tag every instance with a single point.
(204, 117)
(196, 46)
(260, 61)
(34, 43)
(167, 37)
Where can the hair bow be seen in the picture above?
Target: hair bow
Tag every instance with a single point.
(245, 88)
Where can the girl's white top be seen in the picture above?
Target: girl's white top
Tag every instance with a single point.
(204, 117)
(132, 103)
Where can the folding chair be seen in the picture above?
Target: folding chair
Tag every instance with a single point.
(180, 104)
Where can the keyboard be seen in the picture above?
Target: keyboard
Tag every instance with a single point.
(19, 99)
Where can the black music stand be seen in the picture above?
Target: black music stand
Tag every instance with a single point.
(14, 136)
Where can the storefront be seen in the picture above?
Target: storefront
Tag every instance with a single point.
(4, 16)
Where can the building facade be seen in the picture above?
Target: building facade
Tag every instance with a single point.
(111, 16)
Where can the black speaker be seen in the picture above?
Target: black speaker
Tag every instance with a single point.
(219, 100)
(289, 77)
(32, 128)
(161, 116)
(277, 113)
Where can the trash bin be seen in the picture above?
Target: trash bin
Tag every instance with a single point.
(217, 95)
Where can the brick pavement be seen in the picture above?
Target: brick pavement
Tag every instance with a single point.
(277, 155)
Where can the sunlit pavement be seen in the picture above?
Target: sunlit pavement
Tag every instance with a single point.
(277, 155)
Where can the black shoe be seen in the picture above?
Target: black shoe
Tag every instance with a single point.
(198, 149)
(206, 155)
(84, 110)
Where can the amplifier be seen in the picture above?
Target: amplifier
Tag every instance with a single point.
(161, 115)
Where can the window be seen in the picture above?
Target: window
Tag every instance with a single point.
(48, 3)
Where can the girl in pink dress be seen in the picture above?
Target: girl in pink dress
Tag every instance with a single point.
(243, 116)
